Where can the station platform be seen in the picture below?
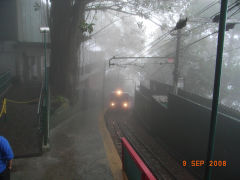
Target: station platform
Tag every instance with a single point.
(81, 148)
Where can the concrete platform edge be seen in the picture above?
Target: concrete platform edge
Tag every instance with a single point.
(111, 152)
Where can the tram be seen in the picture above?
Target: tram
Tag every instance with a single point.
(119, 100)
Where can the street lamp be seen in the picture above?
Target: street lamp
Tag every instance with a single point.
(45, 30)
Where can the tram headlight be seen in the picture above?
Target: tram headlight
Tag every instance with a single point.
(112, 104)
(119, 92)
(125, 105)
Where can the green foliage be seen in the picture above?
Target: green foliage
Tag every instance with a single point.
(85, 27)
(57, 102)
(60, 99)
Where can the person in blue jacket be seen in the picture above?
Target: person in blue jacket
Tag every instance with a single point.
(6, 157)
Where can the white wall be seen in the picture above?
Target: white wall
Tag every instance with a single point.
(7, 57)
(29, 21)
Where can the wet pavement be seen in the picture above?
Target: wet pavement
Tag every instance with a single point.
(21, 123)
(77, 152)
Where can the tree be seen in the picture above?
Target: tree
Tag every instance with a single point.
(68, 27)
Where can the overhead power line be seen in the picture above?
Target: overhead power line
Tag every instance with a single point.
(216, 16)
(198, 40)
(235, 13)
(140, 57)
(207, 7)
(153, 43)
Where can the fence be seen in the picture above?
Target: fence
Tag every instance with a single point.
(5, 80)
(44, 115)
(133, 166)
(184, 127)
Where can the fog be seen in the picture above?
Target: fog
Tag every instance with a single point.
(83, 45)
(160, 52)
(125, 35)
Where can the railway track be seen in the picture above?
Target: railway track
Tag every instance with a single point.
(115, 133)
(152, 160)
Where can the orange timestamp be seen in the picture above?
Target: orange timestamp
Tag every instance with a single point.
(200, 163)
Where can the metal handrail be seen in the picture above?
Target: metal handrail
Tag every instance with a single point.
(40, 99)
(145, 172)
(4, 74)
(5, 79)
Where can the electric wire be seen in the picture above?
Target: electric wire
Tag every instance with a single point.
(230, 7)
(163, 37)
(189, 45)
(192, 44)
(154, 43)
(169, 41)
(158, 40)
(207, 8)
(235, 13)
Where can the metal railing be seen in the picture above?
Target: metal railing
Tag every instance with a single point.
(133, 165)
(43, 115)
(5, 80)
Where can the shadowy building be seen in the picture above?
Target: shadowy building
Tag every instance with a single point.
(21, 43)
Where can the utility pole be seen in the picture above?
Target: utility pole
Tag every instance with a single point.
(216, 89)
(180, 24)
(176, 63)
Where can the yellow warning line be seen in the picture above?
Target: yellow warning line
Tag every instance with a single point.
(111, 152)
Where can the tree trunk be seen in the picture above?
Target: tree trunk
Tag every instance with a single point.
(66, 38)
